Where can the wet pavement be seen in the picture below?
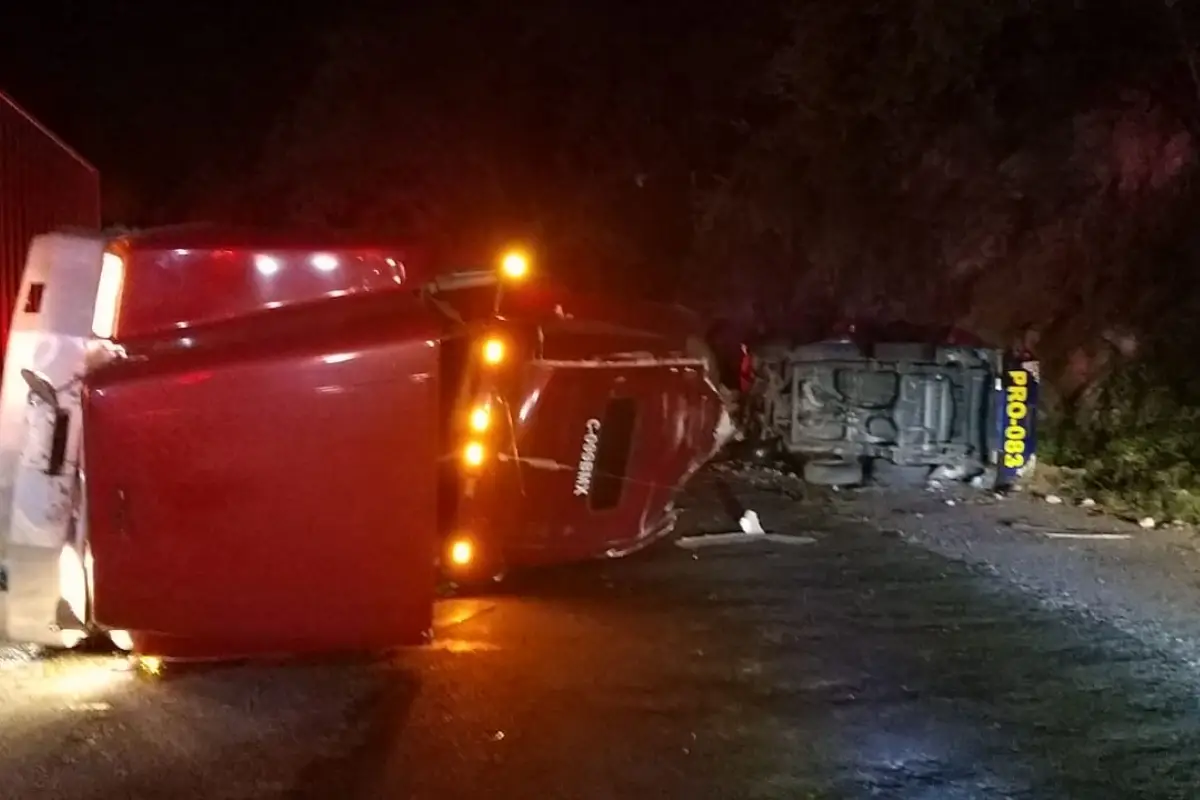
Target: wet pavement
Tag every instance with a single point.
(854, 661)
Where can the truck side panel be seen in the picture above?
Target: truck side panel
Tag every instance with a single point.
(270, 495)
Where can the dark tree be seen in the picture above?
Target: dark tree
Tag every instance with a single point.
(1003, 164)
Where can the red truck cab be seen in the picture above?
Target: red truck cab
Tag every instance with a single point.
(268, 444)
(577, 421)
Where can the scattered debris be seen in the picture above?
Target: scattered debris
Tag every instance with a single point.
(948, 472)
(1087, 502)
(1085, 535)
(787, 538)
(750, 524)
(718, 539)
(714, 539)
(1149, 523)
(1065, 533)
(1054, 500)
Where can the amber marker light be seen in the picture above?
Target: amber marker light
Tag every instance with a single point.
(481, 417)
(461, 552)
(514, 265)
(473, 454)
(493, 351)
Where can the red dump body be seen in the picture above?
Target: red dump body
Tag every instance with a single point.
(44, 185)
(274, 464)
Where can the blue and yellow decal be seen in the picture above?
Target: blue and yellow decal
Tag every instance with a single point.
(1016, 407)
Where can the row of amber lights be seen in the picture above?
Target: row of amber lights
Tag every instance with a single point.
(480, 418)
(461, 551)
(514, 266)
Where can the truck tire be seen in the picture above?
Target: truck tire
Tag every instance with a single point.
(833, 472)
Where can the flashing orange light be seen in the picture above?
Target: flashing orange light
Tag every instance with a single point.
(514, 265)
(473, 454)
(481, 417)
(493, 351)
(461, 552)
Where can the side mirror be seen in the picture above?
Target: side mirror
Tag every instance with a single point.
(40, 387)
(44, 391)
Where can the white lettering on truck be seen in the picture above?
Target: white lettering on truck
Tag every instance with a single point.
(587, 458)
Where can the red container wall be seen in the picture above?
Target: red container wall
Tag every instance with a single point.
(44, 185)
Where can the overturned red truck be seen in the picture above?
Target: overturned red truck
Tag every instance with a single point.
(223, 442)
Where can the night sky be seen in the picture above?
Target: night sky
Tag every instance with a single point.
(152, 92)
(911, 158)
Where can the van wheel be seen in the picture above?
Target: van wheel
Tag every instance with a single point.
(833, 472)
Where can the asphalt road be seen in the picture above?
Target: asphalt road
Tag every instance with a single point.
(857, 661)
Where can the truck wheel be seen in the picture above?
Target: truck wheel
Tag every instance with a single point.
(833, 472)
